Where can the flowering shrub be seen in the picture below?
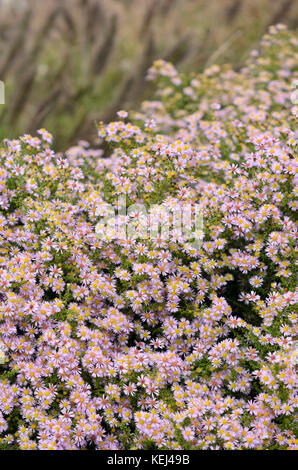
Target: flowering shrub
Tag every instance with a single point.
(157, 343)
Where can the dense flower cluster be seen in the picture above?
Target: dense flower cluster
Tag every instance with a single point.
(157, 343)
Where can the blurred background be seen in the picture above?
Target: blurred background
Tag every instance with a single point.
(69, 63)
